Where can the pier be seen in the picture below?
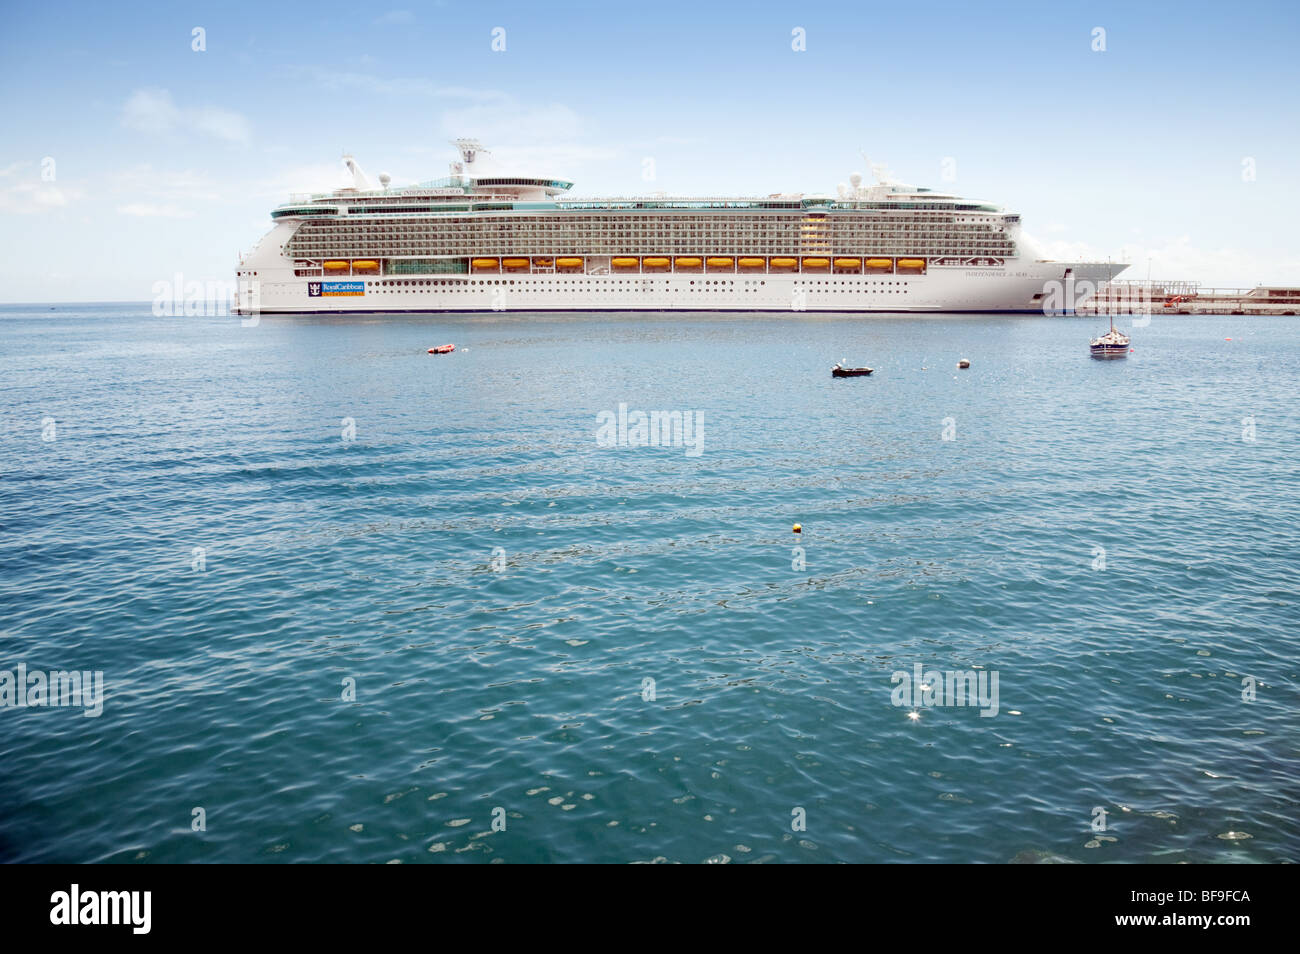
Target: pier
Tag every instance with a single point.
(1189, 298)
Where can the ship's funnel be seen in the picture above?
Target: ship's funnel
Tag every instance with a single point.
(470, 151)
(359, 179)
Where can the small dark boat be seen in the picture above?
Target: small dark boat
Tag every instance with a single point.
(839, 371)
(443, 349)
(963, 363)
(1113, 344)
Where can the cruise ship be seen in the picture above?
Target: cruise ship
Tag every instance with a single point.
(477, 242)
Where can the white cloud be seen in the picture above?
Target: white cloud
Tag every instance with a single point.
(508, 121)
(560, 159)
(1176, 259)
(314, 177)
(183, 185)
(496, 111)
(154, 111)
(30, 195)
(378, 86)
(537, 138)
(526, 137)
(145, 210)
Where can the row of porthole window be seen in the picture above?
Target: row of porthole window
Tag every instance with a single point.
(888, 291)
(335, 252)
(786, 235)
(551, 286)
(693, 231)
(956, 234)
(392, 251)
(789, 242)
(899, 291)
(677, 245)
(770, 235)
(502, 281)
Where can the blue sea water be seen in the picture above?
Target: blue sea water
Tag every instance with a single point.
(613, 649)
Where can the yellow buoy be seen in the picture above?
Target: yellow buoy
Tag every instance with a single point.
(816, 262)
(569, 262)
(623, 262)
(848, 262)
(687, 261)
(719, 262)
(798, 528)
(911, 263)
(751, 263)
(335, 266)
(880, 263)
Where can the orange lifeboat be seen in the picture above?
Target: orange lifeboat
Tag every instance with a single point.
(542, 262)
(880, 263)
(365, 266)
(751, 263)
(816, 263)
(911, 263)
(687, 261)
(515, 262)
(334, 266)
(569, 262)
(848, 263)
(656, 263)
(719, 262)
(623, 262)
(784, 263)
(486, 263)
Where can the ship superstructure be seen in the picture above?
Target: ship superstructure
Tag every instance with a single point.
(480, 242)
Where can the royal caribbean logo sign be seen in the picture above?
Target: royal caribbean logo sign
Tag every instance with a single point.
(332, 289)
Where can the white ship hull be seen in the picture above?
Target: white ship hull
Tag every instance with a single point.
(1014, 287)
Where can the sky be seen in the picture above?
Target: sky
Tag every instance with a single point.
(1169, 139)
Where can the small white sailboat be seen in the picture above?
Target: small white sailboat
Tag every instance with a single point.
(1113, 344)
